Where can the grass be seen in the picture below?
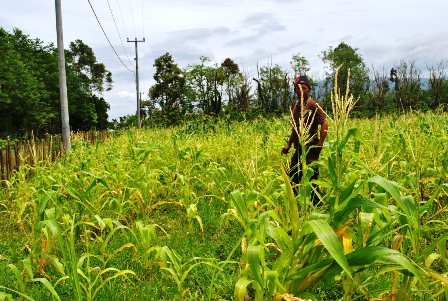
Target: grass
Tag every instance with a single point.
(158, 176)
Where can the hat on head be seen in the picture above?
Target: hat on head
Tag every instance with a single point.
(302, 79)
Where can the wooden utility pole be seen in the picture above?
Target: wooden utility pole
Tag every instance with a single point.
(62, 79)
(136, 78)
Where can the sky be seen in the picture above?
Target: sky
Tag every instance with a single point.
(248, 31)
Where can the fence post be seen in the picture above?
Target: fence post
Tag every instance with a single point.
(8, 162)
(17, 155)
(43, 149)
(2, 168)
(31, 153)
(49, 147)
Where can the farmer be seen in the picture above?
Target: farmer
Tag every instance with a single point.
(313, 116)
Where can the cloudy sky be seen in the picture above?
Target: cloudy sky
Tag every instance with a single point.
(248, 31)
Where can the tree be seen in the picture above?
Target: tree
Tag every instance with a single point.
(346, 58)
(27, 101)
(168, 91)
(87, 79)
(243, 94)
(101, 107)
(29, 86)
(232, 73)
(379, 90)
(407, 86)
(273, 89)
(300, 65)
(94, 75)
(438, 85)
(205, 85)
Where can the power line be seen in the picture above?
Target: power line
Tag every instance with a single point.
(132, 15)
(107, 37)
(116, 27)
(143, 19)
(123, 22)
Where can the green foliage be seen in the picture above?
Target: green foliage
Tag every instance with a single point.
(168, 91)
(347, 59)
(273, 89)
(29, 87)
(205, 211)
(300, 65)
(27, 98)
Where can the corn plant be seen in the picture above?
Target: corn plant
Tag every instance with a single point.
(323, 247)
(170, 262)
(90, 272)
(22, 282)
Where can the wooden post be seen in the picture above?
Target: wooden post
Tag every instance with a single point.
(44, 157)
(17, 155)
(8, 167)
(2, 167)
(31, 153)
(49, 148)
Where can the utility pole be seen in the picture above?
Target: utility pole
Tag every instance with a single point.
(62, 79)
(136, 79)
(140, 93)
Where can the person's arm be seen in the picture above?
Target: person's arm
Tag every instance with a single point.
(323, 132)
(287, 147)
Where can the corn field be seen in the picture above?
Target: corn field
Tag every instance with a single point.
(37, 151)
(206, 211)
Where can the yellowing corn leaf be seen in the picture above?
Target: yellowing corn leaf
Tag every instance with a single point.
(346, 239)
(289, 297)
(442, 278)
(398, 239)
(343, 233)
(431, 258)
(273, 245)
(244, 245)
(385, 298)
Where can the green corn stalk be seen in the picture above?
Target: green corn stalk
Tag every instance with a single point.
(28, 270)
(170, 262)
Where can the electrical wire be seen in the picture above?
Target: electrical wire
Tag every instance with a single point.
(118, 31)
(108, 37)
(132, 16)
(124, 24)
(143, 19)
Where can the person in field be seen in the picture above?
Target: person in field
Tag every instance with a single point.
(313, 117)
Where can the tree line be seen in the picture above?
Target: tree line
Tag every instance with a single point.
(217, 89)
(29, 87)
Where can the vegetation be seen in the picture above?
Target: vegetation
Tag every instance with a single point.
(224, 90)
(204, 211)
(29, 87)
(29, 93)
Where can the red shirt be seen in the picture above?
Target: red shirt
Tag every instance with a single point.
(312, 114)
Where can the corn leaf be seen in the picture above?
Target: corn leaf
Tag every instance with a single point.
(48, 286)
(343, 213)
(239, 204)
(18, 275)
(5, 296)
(293, 210)
(241, 288)
(331, 242)
(429, 202)
(254, 256)
(373, 254)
